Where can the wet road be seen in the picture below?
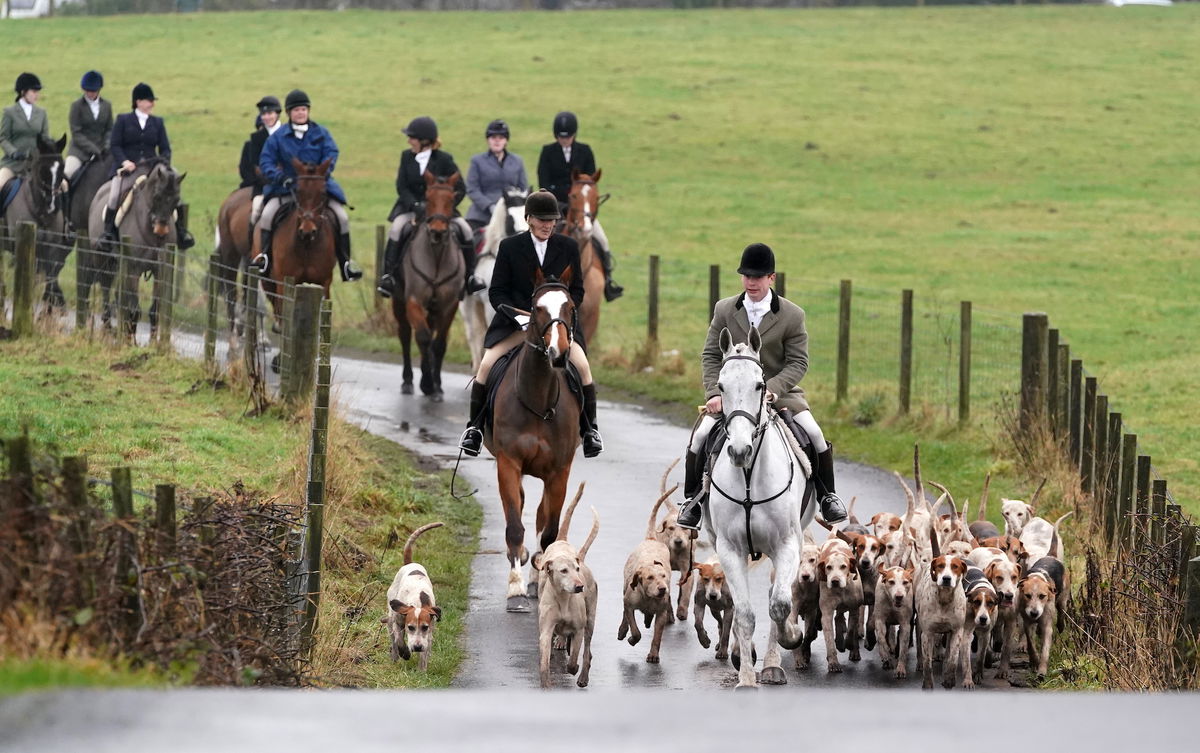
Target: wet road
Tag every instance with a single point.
(622, 483)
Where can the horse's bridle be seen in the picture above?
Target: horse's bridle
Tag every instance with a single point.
(442, 217)
(43, 198)
(315, 216)
(540, 346)
(586, 212)
(754, 419)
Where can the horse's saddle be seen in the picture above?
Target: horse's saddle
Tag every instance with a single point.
(287, 205)
(8, 192)
(797, 439)
(502, 365)
(127, 200)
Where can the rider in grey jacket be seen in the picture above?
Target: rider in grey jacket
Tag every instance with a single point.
(492, 172)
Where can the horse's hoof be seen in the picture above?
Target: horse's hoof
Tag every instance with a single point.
(406, 388)
(436, 397)
(517, 605)
(531, 590)
(773, 676)
(746, 687)
(275, 368)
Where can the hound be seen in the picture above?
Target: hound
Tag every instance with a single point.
(412, 609)
(681, 545)
(567, 603)
(712, 595)
(1017, 512)
(1038, 535)
(979, 619)
(1043, 596)
(647, 580)
(840, 599)
(806, 600)
(893, 607)
(941, 603)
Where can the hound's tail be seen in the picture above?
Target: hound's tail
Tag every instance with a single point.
(983, 498)
(565, 525)
(652, 524)
(587, 544)
(412, 539)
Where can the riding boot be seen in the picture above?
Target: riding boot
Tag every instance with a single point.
(341, 249)
(692, 511)
(593, 444)
(832, 509)
(387, 281)
(108, 240)
(612, 291)
(473, 283)
(472, 439)
(183, 239)
(263, 260)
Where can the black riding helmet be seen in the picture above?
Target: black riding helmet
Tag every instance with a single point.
(497, 128)
(142, 91)
(422, 129)
(25, 82)
(543, 205)
(758, 260)
(565, 124)
(92, 81)
(268, 104)
(296, 98)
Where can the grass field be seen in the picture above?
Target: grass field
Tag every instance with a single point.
(1019, 157)
(156, 415)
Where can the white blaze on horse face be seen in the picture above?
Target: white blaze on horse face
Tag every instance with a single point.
(554, 302)
(587, 209)
(54, 179)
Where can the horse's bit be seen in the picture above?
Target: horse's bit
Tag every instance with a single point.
(760, 428)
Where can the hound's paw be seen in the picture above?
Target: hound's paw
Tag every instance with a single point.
(901, 672)
(634, 637)
(722, 656)
(968, 684)
(702, 636)
(1002, 675)
(572, 668)
(681, 613)
(835, 668)
(652, 658)
(885, 663)
(948, 683)
(855, 655)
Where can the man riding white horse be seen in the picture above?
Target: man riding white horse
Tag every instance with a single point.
(784, 355)
(306, 141)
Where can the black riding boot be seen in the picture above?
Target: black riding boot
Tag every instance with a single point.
(693, 506)
(341, 249)
(472, 439)
(263, 260)
(593, 445)
(473, 283)
(832, 509)
(391, 259)
(183, 239)
(108, 240)
(612, 291)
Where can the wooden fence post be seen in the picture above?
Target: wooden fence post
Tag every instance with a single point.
(1087, 455)
(74, 470)
(1187, 542)
(843, 361)
(164, 518)
(1052, 406)
(1100, 454)
(166, 303)
(1034, 339)
(1141, 503)
(315, 497)
(20, 467)
(1128, 470)
(964, 363)
(906, 337)
(1063, 385)
(210, 321)
(652, 313)
(1112, 495)
(1158, 501)
(1076, 409)
(1191, 607)
(24, 280)
(714, 288)
(287, 367)
(250, 323)
(303, 339)
(781, 284)
(380, 247)
(122, 491)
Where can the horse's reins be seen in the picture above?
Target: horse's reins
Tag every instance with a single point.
(430, 218)
(315, 216)
(760, 428)
(539, 345)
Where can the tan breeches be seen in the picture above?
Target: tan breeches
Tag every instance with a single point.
(492, 354)
(6, 174)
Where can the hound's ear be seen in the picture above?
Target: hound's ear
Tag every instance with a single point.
(437, 613)
(881, 568)
(425, 600)
(755, 340)
(725, 341)
(909, 572)
(396, 605)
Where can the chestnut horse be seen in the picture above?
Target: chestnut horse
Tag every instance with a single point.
(535, 427)
(431, 277)
(303, 245)
(583, 203)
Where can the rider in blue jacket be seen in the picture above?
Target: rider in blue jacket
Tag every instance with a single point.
(308, 142)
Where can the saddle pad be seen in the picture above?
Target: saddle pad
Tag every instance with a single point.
(9, 192)
(496, 376)
(717, 438)
(127, 201)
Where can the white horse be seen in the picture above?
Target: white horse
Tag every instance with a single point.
(508, 218)
(757, 489)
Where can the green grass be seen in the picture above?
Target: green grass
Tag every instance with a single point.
(22, 676)
(1024, 158)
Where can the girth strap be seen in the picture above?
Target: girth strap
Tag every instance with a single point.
(747, 501)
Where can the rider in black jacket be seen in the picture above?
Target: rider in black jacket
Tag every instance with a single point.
(266, 123)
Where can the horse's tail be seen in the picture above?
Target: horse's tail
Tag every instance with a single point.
(583, 550)
(662, 483)
(982, 514)
(650, 526)
(565, 525)
(412, 539)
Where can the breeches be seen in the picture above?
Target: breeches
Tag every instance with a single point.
(256, 207)
(339, 210)
(577, 356)
(71, 165)
(804, 418)
(116, 188)
(6, 174)
(461, 226)
(598, 235)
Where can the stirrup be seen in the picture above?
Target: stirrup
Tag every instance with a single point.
(471, 442)
(261, 262)
(386, 286)
(351, 271)
(612, 291)
(832, 508)
(691, 514)
(593, 444)
(474, 284)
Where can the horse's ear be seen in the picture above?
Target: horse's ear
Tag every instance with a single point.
(323, 168)
(296, 163)
(755, 340)
(181, 177)
(539, 279)
(567, 274)
(726, 340)
(596, 177)
(430, 178)
(60, 144)
(575, 174)
(453, 179)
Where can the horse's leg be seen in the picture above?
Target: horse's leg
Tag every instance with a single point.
(508, 475)
(418, 320)
(738, 577)
(772, 671)
(787, 564)
(554, 491)
(404, 332)
(159, 291)
(439, 350)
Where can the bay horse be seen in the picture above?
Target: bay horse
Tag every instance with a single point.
(149, 222)
(583, 204)
(40, 201)
(508, 218)
(431, 278)
(756, 506)
(303, 241)
(535, 427)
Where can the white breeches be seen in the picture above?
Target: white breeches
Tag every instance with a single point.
(71, 165)
(339, 210)
(492, 354)
(598, 235)
(463, 228)
(804, 418)
(256, 207)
